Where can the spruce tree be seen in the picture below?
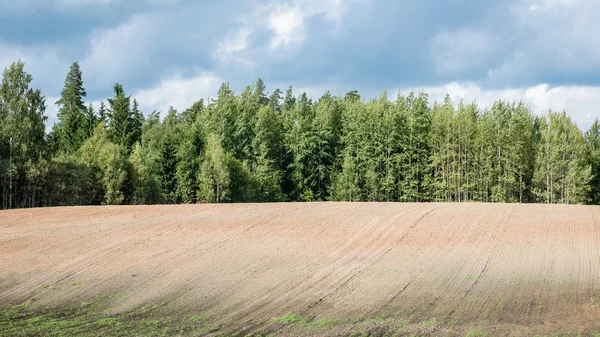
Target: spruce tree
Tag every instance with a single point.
(90, 121)
(103, 114)
(71, 129)
(120, 126)
(137, 119)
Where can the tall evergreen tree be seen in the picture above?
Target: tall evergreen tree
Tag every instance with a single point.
(137, 119)
(120, 127)
(90, 121)
(103, 114)
(72, 129)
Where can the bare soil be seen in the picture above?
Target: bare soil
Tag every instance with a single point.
(432, 269)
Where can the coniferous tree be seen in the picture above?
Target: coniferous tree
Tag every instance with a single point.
(71, 129)
(90, 121)
(103, 114)
(120, 126)
(169, 143)
(256, 148)
(136, 121)
(267, 147)
(189, 155)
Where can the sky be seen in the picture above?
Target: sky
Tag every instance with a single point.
(175, 52)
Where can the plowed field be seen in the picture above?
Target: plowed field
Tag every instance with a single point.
(303, 269)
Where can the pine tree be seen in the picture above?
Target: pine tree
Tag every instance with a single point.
(136, 121)
(267, 146)
(72, 129)
(90, 121)
(120, 126)
(103, 114)
(189, 156)
(169, 143)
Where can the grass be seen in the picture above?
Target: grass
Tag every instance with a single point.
(90, 320)
(292, 319)
(476, 333)
(301, 321)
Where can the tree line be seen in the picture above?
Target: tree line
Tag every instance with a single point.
(256, 147)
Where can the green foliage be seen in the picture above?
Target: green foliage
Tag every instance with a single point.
(99, 152)
(261, 147)
(21, 134)
(74, 126)
(146, 187)
(476, 333)
(563, 172)
(214, 173)
(592, 139)
(292, 319)
(122, 122)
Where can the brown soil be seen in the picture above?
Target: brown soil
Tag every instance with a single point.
(493, 266)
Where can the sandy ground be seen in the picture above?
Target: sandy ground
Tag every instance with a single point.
(485, 264)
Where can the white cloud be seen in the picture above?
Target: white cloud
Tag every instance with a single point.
(551, 35)
(287, 25)
(580, 102)
(460, 50)
(287, 20)
(118, 50)
(178, 92)
(42, 62)
(235, 42)
(51, 112)
(24, 6)
(548, 5)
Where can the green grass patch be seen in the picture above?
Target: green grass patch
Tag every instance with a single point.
(89, 319)
(431, 323)
(292, 319)
(476, 333)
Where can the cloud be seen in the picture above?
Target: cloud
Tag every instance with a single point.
(548, 5)
(51, 112)
(287, 21)
(580, 102)
(456, 51)
(287, 26)
(552, 41)
(232, 44)
(23, 6)
(178, 92)
(118, 51)
(43, 62)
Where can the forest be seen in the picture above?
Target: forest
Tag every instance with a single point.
(256, 146)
